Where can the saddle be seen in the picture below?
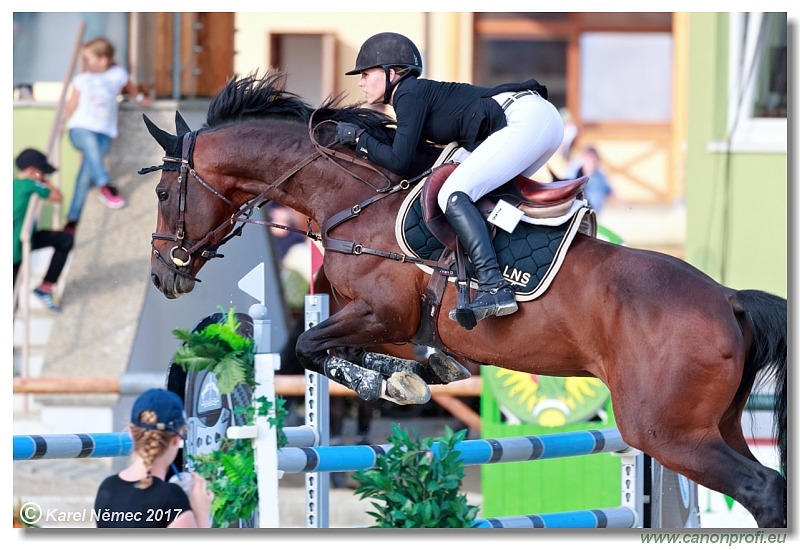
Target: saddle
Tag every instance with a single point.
(536, 200)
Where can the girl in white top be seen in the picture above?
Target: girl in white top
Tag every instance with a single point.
(92, 112)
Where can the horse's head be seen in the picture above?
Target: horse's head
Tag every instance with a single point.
(193, 218)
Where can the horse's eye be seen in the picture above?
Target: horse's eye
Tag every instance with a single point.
(162, 195)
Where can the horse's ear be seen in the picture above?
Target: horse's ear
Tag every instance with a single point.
(180, 125)
(164, 139)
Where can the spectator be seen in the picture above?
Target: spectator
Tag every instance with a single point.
(286, 217)
(597, 190)
(33, 169)
(139, 496)
(91, 115)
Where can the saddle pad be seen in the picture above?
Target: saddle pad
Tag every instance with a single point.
(529, 258)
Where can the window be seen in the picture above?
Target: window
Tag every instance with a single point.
(626, 77)
(513, 60)
(757, 104)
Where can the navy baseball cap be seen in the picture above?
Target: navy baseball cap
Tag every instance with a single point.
(168, 408)
(35, 158)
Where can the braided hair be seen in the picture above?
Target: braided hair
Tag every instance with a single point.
(149, 444)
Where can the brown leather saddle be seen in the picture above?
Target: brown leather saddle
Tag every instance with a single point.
(535, 199)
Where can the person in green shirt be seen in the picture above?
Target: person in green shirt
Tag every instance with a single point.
(33, 169)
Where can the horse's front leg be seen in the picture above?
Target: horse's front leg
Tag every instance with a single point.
(441, 369)
(350, 328)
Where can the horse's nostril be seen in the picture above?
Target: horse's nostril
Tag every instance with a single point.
(154, 278)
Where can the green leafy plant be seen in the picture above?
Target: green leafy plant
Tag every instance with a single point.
(221, 349)
(230, 469)
(417, 482)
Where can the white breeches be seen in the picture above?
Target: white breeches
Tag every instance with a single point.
(533, 133)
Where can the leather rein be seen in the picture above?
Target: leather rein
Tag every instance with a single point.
(184, 250)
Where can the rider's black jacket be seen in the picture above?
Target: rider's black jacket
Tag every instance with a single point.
(440, 112)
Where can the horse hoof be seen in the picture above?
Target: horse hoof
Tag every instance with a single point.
(405, 388)
(446, 368)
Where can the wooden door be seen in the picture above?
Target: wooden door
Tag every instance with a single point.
(204, 61)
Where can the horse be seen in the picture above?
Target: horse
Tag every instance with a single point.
(679, 352)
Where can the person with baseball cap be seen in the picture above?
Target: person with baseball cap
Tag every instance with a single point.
(33, 168)
(139, 495)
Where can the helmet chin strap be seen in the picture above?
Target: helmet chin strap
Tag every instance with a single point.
(387, 95)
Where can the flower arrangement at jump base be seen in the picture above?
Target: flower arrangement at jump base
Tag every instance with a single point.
(230, 471)
(416, 483)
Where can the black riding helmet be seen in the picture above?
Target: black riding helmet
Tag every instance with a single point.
(388, 49)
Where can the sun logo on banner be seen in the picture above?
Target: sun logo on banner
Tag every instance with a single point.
(546, 401)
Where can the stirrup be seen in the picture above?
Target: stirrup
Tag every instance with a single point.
(479, 312)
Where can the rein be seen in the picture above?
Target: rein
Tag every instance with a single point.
(352, 247)
(181, 256)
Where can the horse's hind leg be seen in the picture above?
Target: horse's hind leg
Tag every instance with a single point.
(731, 429)
(710, 461)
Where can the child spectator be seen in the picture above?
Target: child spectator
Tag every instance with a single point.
(33, 169)
(597, 190)
(91, 114)
(139, 496)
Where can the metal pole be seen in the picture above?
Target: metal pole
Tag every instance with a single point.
(265, 444)
(318, 484)
(632, 482)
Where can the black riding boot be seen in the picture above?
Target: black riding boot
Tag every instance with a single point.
(495, 295)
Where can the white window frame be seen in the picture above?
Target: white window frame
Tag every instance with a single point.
(746, 133)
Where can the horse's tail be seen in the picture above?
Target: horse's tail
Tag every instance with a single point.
(766, 315)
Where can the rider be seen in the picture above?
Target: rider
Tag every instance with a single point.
(504, 131)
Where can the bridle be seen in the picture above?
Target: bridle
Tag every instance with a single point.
(181, 254)
(184, 250)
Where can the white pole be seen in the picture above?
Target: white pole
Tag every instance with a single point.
(632, 482)
(265, 444)
(317, 416)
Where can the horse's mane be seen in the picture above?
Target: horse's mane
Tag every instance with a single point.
(254, 97)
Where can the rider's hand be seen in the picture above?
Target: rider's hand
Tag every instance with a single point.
(348, 134)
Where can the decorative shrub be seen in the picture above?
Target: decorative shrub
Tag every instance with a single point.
(416, 484)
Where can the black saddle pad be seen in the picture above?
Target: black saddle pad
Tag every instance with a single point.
(529, 257)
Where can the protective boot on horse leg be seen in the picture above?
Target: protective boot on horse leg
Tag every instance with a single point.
(441, 369)
(495, 295)
(403, 388)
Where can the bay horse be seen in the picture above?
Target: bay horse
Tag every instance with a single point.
(679, 352)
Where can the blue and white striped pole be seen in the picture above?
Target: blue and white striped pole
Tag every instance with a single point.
(348, 458)
(114, 444)
(603, 518)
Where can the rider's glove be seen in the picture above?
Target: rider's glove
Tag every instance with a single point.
(348, 134)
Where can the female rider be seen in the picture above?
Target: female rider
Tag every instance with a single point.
(504, 131)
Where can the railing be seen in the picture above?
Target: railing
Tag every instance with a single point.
(446, 396)
(22, 284)
(285, 384)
